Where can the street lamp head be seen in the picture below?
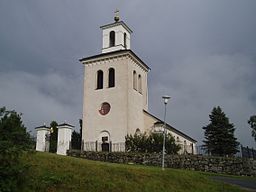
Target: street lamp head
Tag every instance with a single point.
(166, 98)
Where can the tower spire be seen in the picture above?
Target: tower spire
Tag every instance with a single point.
(117, 17)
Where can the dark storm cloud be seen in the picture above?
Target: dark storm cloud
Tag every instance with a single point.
(202, 53)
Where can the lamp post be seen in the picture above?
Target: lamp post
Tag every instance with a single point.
(165, 98)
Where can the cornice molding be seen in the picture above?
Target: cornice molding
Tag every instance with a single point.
(117, 55)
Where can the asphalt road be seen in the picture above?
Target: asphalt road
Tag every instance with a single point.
(249, 184)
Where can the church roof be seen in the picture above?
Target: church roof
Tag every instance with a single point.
(171, 128)
(128, 51)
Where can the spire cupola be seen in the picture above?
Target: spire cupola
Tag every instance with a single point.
(115, 36)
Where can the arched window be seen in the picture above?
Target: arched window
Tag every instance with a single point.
(125, 40)
(185, 146)
(99, 79)
(112, 38)
(137, 132)
(111, 77)
(134, 80)
(192, 148)
(140, 84)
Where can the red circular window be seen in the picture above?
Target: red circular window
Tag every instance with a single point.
(105, 108)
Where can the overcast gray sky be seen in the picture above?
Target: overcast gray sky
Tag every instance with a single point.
(202, 53)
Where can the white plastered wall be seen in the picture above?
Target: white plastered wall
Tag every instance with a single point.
(64, 139)
(137, 102)
(119, 39)
(127, 104)
(115, 122)
(41, 138)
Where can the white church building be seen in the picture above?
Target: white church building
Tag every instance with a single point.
(115, 101)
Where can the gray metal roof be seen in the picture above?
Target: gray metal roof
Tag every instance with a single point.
(114, 53)
(116, 24)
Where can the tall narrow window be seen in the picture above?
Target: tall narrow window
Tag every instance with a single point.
(99, 79)
(125, 41)
(140, 84)
(185, 146)
(134, 80)
(111, 77)
(112, 38)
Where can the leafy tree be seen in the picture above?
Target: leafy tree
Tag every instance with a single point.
(156, 142)
(252, 123)
(53, 137)
(152, 143)
(219, 134)
(12, 130)
(137, 142)
(171, 146)
(14, 140)
(76, 140)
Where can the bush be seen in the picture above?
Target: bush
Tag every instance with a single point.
(152, 143)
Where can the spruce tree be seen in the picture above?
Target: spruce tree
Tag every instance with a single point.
(53, 137)
(76, 140)
(252, 123)
(219, 135)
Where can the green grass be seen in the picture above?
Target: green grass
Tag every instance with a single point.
(50, 172)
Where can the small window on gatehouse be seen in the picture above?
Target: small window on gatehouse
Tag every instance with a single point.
(137, 132)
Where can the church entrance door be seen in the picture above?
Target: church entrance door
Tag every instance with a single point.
(105, 144)
(105, 147)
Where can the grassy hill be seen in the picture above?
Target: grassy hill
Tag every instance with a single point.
(50, 172)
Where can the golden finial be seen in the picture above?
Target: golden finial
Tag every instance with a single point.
(116, 18)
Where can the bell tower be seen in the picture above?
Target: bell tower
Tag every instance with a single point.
(115, 91)
(115, 36)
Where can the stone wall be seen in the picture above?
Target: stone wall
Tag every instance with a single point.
(234, 166)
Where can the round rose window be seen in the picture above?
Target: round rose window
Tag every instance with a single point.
(105, 108)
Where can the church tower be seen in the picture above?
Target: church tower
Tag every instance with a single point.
(115, 91)
(116, 36)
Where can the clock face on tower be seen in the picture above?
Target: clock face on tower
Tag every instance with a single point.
(105, 108)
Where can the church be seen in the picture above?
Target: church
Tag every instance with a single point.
(115, 100)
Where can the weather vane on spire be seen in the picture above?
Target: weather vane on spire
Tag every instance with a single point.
(117, 17)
